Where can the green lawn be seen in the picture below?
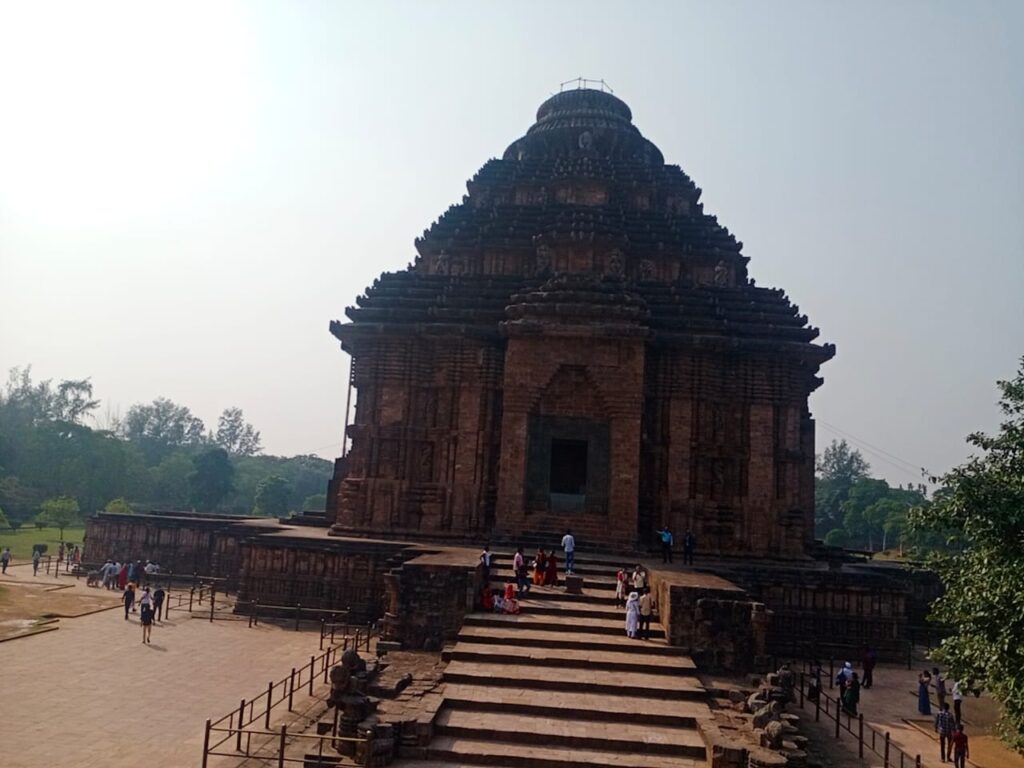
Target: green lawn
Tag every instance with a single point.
(21, 541)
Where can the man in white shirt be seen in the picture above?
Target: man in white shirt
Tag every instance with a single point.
(958, 697)
(569, 545)
(519, 567)
(639, 580)
(485, 561)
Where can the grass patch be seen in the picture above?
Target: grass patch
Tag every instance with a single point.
(21, 541)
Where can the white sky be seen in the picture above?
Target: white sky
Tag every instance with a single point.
(189, 192)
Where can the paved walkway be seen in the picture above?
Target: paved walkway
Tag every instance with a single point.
(93, 694)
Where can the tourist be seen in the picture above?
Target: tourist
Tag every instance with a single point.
(129, 600)
(70, 555)
(146, 600)
(940, 686)
(485, 563)
(122, 576)
(60, 553)
(551, 571)
(5, 559)
(958, 698)
(146, 618)
(77, 556)
(961, 751)
(620, 588)
(151, 569)
(511, 605)
(499, 601)
(689, 545)
(109, 571)
(639, 580)
(632, 614)
(924, 705)
(519, 569)
(944, 726)
(814, 684)
(569, 545)
(131, 574)
(36, 557)
(158, 603)
(851, 694)
(646, 611)
(539, 564)
(868, 663)
(666, 544)
(486, 598)
(844, 674)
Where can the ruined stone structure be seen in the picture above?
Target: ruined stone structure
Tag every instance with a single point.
(579, 344)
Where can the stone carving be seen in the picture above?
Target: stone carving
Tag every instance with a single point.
(348, 695)
(458, 266)
(545, 253)
(586, 140)
(721, 275)
(646, 269)
(442, 263)
(615, 265)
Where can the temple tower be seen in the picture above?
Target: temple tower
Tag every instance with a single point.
(579, 345)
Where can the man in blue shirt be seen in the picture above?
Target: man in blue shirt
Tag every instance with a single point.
(666, 544)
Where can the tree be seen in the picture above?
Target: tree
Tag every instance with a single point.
(119, 506)
(211, 479)
(4, 523)
(837, 537)
(161, 426)
(980, 513)
(317, 502)
(236, 436)
(272, 496)
(60, 512)
(74, 400)
(838, 468)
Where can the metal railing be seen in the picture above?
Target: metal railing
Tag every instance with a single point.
(879, 742)
(302, 680)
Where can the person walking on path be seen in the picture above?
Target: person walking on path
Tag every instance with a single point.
(666, 544)
(958, 700)
(646, 611)
(632, 614)
(146, 618)
(159, 595)
(851, 694)
(961, 750)
(5, 559)
(519, 569)
(869, 661)
(129, 600)
(569, 545)
(36, 557)
(924, 705)
(689, 545)
(944, 726)
(940, 686)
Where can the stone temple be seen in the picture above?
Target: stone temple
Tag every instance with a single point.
(579, 344)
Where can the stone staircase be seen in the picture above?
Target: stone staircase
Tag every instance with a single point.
(561, 686)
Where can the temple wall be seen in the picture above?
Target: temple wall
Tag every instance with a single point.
(207, 546)
(326, 574)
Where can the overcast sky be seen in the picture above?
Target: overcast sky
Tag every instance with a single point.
(189, 192)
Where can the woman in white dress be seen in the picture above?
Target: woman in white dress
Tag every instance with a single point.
(632, 614)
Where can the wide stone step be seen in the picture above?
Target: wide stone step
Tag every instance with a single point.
(587, 624)
(601, 583)
(458, 750)
(598, 597)
(623, 660)
(617, 682)
(582, 641)
(552, 605)
(576, 732)
(593, 706)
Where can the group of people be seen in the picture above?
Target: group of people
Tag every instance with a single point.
(151, 606)
(116, 575)
(668, 541)
(72, 555)
(542, 571)
(949, 726)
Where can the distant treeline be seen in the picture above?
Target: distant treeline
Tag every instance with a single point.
(159, 456)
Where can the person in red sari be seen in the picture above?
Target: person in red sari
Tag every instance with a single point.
(551, 571)
(538, 567)
(511, 605)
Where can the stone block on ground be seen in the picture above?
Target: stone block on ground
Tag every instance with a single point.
(574, 585)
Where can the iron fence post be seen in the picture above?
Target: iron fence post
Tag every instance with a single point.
(323, 625)
(291, 689)
(312, 674)
(837, 718)
(860, 734)
(885, 757)
(270, 698)
(213, 592)
(280, 751)
(206, 743)
(241, 724)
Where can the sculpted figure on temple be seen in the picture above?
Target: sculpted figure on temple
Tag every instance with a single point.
(543, 265)
(616, 266)
(442, 263)
(646, 269)
(586, 140)
(721, 275)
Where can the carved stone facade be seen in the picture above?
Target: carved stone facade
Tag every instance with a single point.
(599, 360)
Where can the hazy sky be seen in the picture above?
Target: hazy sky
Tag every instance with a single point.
(189, 192)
